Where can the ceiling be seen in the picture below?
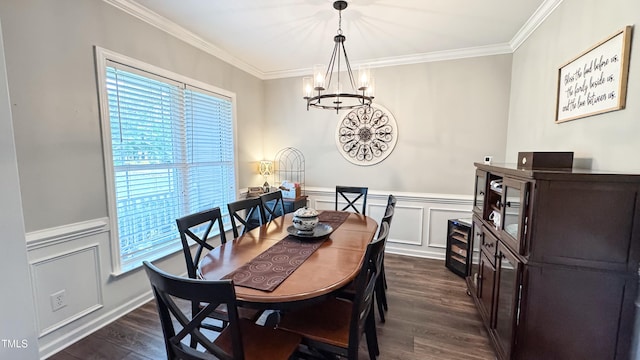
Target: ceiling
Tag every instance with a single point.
(280, 38)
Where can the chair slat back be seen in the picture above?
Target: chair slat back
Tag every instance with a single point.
(364, 290)
(252, 218)
(202, 222)
(392, 200)
(352, 194)
(272, 206)
(388, 216)
(179, 326)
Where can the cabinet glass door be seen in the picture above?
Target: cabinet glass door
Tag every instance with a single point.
(507, 298)
(474, 270)
(514, 220)
(481, 188)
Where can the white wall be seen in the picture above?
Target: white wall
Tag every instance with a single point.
(449, 114)
(18, 338)
(609, 141)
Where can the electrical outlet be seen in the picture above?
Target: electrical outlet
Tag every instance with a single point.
(58, 300)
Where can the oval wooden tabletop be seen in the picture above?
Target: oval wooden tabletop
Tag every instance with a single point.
(330, 267)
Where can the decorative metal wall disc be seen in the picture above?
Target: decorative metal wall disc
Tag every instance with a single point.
(367, 135)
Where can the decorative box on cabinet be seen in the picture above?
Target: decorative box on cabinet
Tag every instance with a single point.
(557, 275)
(458, 246)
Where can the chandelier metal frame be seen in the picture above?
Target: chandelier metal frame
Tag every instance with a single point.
(338, 100)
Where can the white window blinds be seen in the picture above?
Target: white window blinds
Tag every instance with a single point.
(173, 154)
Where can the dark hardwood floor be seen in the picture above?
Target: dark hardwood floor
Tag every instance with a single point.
(430, 317)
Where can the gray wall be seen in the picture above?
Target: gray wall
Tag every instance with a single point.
(49, 53)
(17, 317)
(610, 141)
(51, 70)
(449, 114)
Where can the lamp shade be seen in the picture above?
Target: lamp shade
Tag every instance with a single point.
(266, 167)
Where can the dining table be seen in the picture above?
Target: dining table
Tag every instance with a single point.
(334, 262)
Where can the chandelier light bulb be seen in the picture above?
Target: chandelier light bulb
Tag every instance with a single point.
(364, 77)
(318, 77)
(370, 90)
(307, 86)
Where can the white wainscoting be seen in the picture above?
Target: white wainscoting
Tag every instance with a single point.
(77, 274)
(76, 258)
(419, 226)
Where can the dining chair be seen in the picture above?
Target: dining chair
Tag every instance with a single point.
(272, 205)
(381, 283)
(189, 227)
(392, 200)
(352, 194)
(248, 212)
(348, 292)
(336, 325)
(240, 340)
(202, 222)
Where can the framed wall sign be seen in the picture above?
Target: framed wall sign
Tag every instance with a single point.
(367, 135)
(595, 82)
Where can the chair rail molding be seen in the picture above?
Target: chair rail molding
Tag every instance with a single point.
(69, 232)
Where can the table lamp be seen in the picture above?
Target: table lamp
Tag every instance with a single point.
(266, 169)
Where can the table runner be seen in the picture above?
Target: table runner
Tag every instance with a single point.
(269, 269)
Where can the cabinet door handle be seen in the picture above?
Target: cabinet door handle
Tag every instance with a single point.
(508, 204)
(481, 192)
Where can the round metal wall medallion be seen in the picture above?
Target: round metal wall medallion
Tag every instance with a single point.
(367, 135)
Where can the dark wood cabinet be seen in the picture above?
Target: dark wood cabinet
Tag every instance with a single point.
(507, 296)
(557, 275)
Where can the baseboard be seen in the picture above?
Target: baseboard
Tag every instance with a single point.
(89, 328)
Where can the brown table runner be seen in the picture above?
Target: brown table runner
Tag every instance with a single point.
(269, 269)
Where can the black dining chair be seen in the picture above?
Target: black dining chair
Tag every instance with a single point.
(240, 340)
(392, 200)
(246, 212)
(202, 222)
(336, 325)
(197, 227)
(272, 206)
(348, 292)
(352, 195)
(381, 283)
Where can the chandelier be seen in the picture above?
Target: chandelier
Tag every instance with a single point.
(335, 95)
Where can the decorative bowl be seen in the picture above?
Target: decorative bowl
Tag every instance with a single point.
(305, 219)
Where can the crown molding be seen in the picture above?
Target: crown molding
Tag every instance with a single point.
(408, 59)
(541, 14)
(132, 8)
(162, 23)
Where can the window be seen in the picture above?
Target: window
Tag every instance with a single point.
(169, 151)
